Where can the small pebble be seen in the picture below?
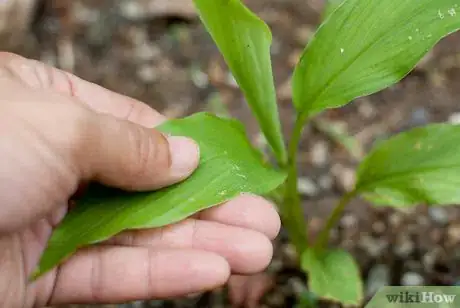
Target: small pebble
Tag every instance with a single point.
(454, 118)
(366, 109)
(319, 154)
(147, 74)
(275, 266)
(132, 10)
(231, 81)
(396, 219)
(349, 221)
(429, 259)
(379, 227)
(85, 15)
(374, 246)
(345, 177)
(303, 34)
(412, 279)
(297, 285)
(307, 187)
(404, 246)
(453, 233)
(199, 78)
(294, 57)
(284, 91)
(438, 215)
(290, 255)
(147, 52)
(379, 277)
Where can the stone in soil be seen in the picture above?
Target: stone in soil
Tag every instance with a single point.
(307, 187)
(345, 177)
(404, 246)
(453, 233)
(454, 118)
(438, 215)
(290, 256)
(319, 154)
(412, 279)
(379, 276)
(373, 246)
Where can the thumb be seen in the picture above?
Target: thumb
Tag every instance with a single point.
(125, 155)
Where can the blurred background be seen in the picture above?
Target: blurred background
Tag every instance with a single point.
(158, 52)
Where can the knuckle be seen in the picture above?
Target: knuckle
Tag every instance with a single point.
(149, 151)
(35, 74)
(29, 72)
(136, 111)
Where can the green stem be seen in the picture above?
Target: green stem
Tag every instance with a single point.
(323, 237)
(291, 211)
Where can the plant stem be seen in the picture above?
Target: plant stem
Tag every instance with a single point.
(323, 237)
(291, 211)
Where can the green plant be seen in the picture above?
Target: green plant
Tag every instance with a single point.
(362, 47)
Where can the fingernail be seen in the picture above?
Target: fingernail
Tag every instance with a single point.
(185, 156)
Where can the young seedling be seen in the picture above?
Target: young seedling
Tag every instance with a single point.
(362, 47)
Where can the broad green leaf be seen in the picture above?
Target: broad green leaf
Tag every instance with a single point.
(418, 166)
(330, 7)
(367, 45)
(333, 275)
(244, 41)
(228, 167)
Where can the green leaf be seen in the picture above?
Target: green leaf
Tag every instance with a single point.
(228, 167)
(418, 166)
(367, 45)
(330, 7)
(333, 275)
(244, 41)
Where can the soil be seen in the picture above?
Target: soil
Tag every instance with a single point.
(170, 62)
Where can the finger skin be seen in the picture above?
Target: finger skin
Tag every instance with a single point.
(247, 251)
(105, 130)
(121, 274)
(237, 289)
(58, 142)
(247, 211)
(108, 137)
(129, 156)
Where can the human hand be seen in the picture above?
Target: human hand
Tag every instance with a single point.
(57, 132)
